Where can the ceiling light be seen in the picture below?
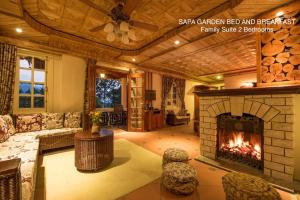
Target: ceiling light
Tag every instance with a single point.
(111, 37)
(102, 75)
(177, 42)
(109, 28)
(280, 13)
(19, 30)
(133, 59)
(218, 77)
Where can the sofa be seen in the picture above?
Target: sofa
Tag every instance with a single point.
(177, 119)
(27, 136)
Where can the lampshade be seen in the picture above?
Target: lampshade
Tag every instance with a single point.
(125, 38)
(124, 26)
(110, 37)
(109, 28)
(131, 34)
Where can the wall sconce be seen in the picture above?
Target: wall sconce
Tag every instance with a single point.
(102, 75)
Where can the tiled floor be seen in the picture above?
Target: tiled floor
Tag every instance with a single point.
(210, 185)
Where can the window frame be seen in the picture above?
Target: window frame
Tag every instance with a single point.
(32, 82)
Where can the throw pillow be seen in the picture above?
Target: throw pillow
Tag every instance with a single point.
(27, 123)
(52, 120)
(72, 120)
(4, 135)
(10, 124)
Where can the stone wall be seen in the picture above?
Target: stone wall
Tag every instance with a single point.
(277, 111)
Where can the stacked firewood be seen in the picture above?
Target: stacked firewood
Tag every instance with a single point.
(281, 50)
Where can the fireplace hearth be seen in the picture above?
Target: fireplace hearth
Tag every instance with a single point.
(240, 138)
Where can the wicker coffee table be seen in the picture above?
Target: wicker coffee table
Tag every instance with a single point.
(93, 151)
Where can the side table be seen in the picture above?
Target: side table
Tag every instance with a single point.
(93, 151)
(10, 179)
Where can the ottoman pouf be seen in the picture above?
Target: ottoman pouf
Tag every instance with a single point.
(240, 186)
(179, 178)
(175, 155)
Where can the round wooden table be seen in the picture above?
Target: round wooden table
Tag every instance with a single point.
(93, 151)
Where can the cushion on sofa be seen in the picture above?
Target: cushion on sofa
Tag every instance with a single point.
(4, 134)
(10, 125)
(27, 123)
(52, 120)
(72, 120)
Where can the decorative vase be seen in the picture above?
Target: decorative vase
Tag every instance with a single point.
(95, 128)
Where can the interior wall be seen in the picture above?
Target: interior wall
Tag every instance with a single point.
(66, 80)
(235, 81)
(157, 86)
(189, 96)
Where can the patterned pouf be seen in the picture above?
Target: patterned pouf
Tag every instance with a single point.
(179, 178)
(240, 186)
(175, 155)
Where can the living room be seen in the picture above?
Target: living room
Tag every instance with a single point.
(128, 99)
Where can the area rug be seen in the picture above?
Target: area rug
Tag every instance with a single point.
(132, 168)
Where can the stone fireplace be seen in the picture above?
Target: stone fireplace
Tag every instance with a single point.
(252, 126)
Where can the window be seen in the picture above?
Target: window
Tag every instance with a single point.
(108, 93)
(31, 82)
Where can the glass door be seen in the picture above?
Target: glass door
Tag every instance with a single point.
(136, 92)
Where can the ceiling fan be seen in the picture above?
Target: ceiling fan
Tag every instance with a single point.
(121, 22)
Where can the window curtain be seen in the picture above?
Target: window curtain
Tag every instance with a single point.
(89, 93)
(166, 88)
(8, 57)
(180, 90)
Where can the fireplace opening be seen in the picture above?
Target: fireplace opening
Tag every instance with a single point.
(240, 139)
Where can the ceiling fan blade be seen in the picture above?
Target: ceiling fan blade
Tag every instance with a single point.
(131, 5)
(97, 28)
(143, 25)
(95, 6)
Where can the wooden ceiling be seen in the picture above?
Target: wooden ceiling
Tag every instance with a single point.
(63, 26)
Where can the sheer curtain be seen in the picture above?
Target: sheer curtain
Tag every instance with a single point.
(166, 88)
(8, 57)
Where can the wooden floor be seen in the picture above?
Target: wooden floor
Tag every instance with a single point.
(210, 184)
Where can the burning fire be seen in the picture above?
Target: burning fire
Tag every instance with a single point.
(237, 145)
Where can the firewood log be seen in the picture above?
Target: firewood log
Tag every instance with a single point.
(290, 76)
(274, 48)
(268, 60)
(291, 14)
(288, 68)
(280, 77)
(295, 30)
(283, 57)
(295, 59)
(276, 68)
(267, 37)
(265, 69)
(295, 49)
(296, 74)
(281, 34)
(268, 77)
(286, 24)
(292, 40)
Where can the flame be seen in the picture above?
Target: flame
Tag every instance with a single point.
(238, 141)
(257, 148)
(238, 144)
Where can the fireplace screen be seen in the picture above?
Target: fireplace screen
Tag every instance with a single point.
(240, 139)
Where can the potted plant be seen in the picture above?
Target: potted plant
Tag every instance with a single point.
(95, 117)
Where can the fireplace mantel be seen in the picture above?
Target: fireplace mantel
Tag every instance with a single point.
(250, 91)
